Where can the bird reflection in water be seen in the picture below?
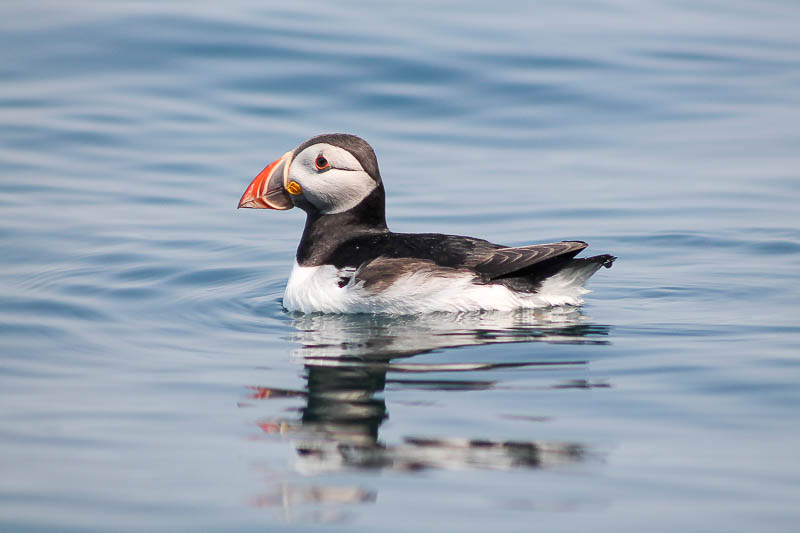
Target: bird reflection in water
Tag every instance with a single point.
(350, 360)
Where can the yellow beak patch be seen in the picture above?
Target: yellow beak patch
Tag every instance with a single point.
(294, 188)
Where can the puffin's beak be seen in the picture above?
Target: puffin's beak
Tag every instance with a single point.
(268, 189)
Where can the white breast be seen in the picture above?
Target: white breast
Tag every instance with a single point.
(316, 289)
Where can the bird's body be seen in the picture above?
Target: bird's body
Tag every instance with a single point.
(349, 262)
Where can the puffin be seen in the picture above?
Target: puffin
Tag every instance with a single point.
(348, 261)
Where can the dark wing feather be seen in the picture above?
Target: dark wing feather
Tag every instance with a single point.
(525, 260)
(380, 273)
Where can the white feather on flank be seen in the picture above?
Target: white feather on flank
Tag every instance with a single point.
(316, 289)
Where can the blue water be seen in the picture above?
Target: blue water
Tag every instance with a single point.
(150, 381)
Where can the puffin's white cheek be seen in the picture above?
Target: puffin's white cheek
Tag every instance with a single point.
(337, 191)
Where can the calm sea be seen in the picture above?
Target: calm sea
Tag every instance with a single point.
(150, 380)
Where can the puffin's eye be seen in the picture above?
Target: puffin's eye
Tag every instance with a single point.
(321, 163)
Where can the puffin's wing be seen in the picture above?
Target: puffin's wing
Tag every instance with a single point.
(379, 274)
(524, 260)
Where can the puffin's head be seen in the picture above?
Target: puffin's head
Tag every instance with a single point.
(327, 174)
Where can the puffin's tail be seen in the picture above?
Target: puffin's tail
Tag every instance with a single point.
(570, 279)
(595, 262)
(582, 269)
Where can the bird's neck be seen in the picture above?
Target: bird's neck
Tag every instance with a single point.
(324, 233)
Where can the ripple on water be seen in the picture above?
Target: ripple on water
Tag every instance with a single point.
(25, 330)
(211, 277)
(145, 273)
(129, 294)
(52, 308)
(774, 247)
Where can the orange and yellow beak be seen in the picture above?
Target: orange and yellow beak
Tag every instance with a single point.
(268, 189)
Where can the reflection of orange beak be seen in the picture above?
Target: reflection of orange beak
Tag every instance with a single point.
(268, 189)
